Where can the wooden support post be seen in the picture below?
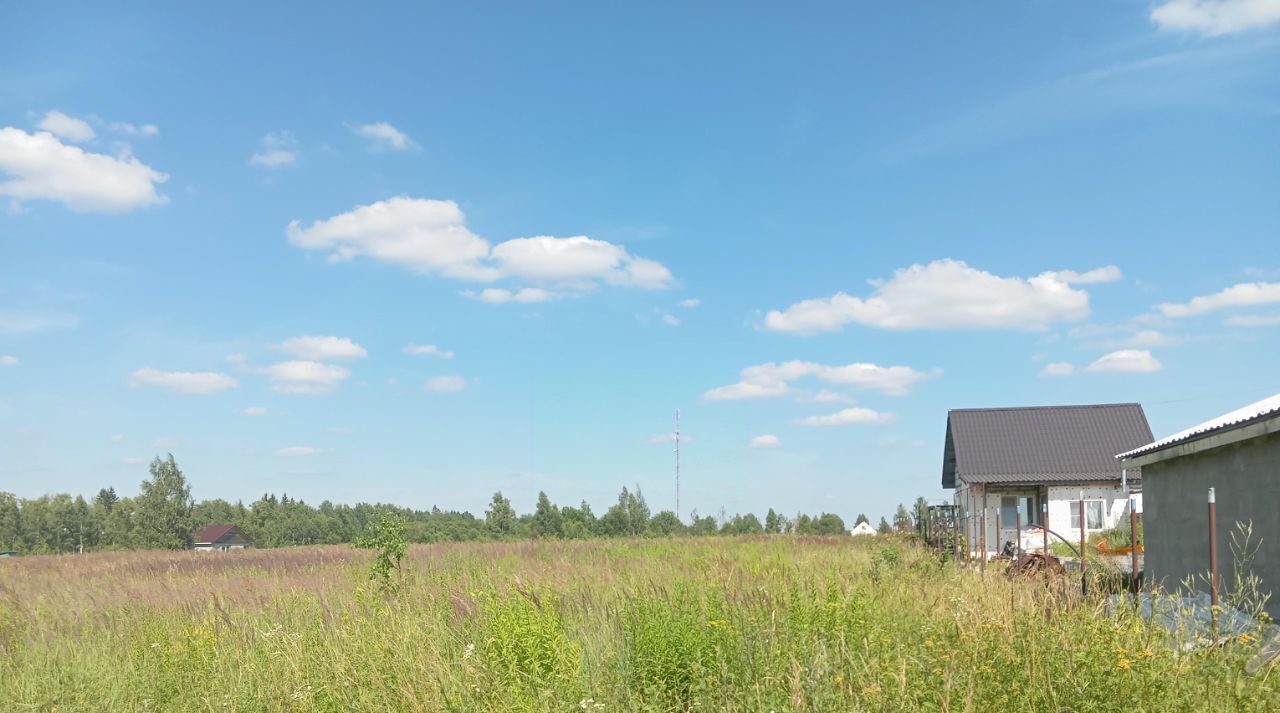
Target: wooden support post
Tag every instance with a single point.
(1044, 524)
(982, 549)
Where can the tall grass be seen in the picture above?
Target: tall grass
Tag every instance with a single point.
(752, 624)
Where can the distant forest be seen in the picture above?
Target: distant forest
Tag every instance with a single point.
(164, 516)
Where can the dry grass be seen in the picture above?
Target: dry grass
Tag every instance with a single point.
(752, 624)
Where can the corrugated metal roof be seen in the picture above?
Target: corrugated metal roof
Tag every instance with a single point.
(1254, 411)
(213, 533)
(1040, 444)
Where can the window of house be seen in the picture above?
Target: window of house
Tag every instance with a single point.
(1013, 505)
(1092, 514)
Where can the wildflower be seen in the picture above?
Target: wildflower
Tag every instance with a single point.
(1122, 664)
(1145, 654)
(469, 652)
(839, 679)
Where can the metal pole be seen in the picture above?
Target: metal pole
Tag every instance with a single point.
(1213, 554)
(982, 563)
(1133, 544)
(1084, 581)
(1017, 528)
(1044, 524)
(955, 534)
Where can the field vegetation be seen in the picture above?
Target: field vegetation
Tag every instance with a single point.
(764, 623)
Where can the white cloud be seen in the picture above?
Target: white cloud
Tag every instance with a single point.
(235, 358)
(772, 379)
(305, 377)
(67, 127)
(183, 382)
(385, 136)
(18, 321)
(1058, 368)
(431, 237)
(299, 451)
(165, 442)
(497, 295)
(445, 384)
(133, 461)
(128, 129)
(1254, 320)
(827, 396)
(671, 319)
(427, 350)
(1245, 294)
(117, 438)
(854, 414)
(1126, 361)
(948, 294)
(767, 440)
(1216, 17)
(277, 150)
(8, 360)
(42, 167)
(1147, 338)
(317, 348)
(255, 411)
(691, 302)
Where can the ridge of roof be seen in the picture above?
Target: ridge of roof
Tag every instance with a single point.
(1259, 410)
(1043, 408)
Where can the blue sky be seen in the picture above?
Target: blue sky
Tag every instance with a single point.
(420, 254)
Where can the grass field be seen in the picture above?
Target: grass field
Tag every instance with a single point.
(759, 624)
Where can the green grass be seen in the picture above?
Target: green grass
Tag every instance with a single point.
(753, 624)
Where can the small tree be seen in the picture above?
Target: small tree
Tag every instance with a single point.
(883, 528)
(772, 523)
(385, 536)
(163, 517)
(546, 519)
(861, 519)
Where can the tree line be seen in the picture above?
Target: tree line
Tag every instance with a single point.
(165, 516)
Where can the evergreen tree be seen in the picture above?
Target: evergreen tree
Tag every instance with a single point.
(883, 528)
(861, 519)
(546, 518)
(902, 519)
(772, 523)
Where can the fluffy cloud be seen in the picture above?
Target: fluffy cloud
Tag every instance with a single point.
(1216, 17)
(1126, 361)
(1058, 368)
(772, 379)
(317, 348)
(305, 377)
(431, 237)
(767, 440)
(671, 319)
(1245, 294)
(183, 382)
(854, 414)
(948, 294)
(42, 167)
(691, 302)
(299, 451)
(497, 295)
(385, 136)
(8, 360)
(427, 350)
(277, 150)
(67, 127)
(1254, 320)
(255, 411)
(445, 384)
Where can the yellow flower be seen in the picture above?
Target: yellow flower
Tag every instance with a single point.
(839, 679)
(1122, 664)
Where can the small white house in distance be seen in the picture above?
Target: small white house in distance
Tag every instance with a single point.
(1013, 463)
(862, 528)
(220, 538)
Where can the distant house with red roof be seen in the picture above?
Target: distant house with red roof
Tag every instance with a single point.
(220, 538)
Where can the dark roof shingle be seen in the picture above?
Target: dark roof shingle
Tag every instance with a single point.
(213, 533)
(1040, 444)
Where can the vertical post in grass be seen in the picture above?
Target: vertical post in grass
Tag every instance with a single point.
(982, 548)
(1084, 581)
(1044, 524)
(1133, 544)
(1213, 558)
(1017, 536)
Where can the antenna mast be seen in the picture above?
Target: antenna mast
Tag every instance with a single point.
(678, 465)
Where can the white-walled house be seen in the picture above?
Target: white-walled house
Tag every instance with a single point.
(862, 528)
(221, 538)
(1020, 461)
